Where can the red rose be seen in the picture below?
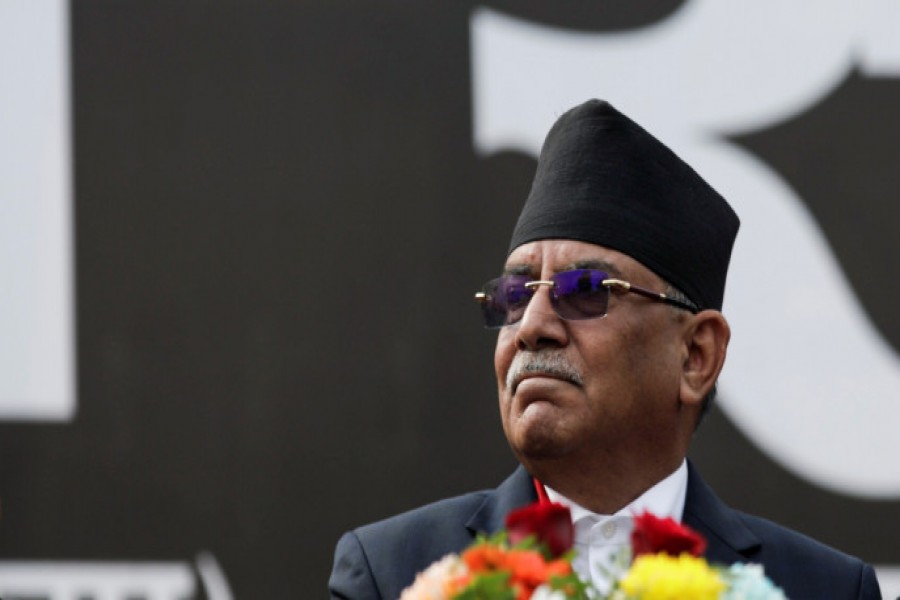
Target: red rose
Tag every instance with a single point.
(652, 535)
(549, 522)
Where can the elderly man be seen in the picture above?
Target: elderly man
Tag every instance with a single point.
(610, 342)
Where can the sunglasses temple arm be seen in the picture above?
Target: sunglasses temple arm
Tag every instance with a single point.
(659, 297)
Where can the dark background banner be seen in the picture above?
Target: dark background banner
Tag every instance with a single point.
(280, 219)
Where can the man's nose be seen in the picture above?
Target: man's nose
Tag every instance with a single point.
(540, 326)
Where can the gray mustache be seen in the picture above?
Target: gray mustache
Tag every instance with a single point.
(548, 362)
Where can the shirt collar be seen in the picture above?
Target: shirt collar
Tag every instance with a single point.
(665, 499)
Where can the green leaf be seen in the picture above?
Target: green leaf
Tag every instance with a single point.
(488, 586)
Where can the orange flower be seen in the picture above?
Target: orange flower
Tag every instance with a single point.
(558, 568)
(527, 567)
(484, 557)
(522, 592)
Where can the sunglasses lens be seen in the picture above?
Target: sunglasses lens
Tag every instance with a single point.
(576, 295)
(580, 294)
(505, 300)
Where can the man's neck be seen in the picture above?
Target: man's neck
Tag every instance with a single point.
(665, 499)
(603, 490)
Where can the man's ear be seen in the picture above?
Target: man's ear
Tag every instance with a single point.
(706, 339)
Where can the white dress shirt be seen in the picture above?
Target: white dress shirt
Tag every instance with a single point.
(601, 539)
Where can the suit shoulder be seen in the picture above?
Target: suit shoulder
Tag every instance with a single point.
(793, 543)
(434, 518)
(807, 568)
(378, 560)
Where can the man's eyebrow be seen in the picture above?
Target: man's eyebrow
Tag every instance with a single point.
(597, 264)
(520, 269)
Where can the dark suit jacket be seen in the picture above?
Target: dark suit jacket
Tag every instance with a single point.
(379, 560)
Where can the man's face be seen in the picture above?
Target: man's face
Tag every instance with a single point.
(604, 387)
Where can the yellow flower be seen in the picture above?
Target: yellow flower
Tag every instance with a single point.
(664, 577)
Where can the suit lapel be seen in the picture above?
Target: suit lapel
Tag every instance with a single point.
(490, 516)
(728, 538)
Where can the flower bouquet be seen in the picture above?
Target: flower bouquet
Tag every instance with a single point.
(532, 559)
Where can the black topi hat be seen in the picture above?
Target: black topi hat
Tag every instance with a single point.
(603, 179)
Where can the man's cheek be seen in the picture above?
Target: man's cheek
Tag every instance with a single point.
(502, 360)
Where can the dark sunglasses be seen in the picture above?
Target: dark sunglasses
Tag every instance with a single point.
(574, 295)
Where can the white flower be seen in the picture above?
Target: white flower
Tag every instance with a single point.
(749, 582)
(545, 592)
(431, 584)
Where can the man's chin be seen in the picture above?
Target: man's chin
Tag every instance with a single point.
(534, 444)
(536, 427)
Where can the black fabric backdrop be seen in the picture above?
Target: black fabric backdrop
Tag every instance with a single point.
(280, 220)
